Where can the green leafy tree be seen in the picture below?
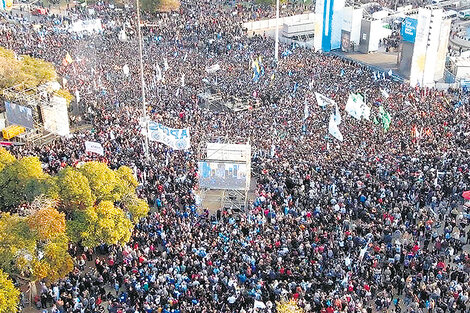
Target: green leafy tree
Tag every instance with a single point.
(101, 179)
(35, 247)
(103, 223)
(136, 207)
(6, 158)
(9, 295)
(74, 190)
(15, 179)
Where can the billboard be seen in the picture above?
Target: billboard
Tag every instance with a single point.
(229, 152)
(408, 29)
(55, 116)
(223, 175)
(19, 115)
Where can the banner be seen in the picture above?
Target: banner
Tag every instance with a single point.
(94, 147)
(177, 139)
(213, 68)
(19, 115)
(323, 101)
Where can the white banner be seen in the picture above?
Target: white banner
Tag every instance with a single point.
(177, 139)
(323, 101)
(94, 147)
(213, 68)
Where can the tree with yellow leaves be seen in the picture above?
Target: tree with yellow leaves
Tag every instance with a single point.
(9, 295)
(74, 190)
(102, 223)
(6, 158)
(35, 247)
(152, 6)
(288, 306)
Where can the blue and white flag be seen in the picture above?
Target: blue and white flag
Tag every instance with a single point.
(333, 129)
(177, 139)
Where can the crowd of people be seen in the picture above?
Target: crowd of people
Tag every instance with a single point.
(375, 223)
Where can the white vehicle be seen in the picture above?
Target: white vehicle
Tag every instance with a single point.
(464, 14)
(450, 14)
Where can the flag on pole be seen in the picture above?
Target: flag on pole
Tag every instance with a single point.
(159, 73)
(323, 101)
(337, 115)
(306, 111)
(68, 58)
(333, 129)
(385, 117)
(182, 80)
(165, 64)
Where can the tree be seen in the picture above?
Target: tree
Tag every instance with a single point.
(35, 247)
(152, 6)
(48, 223)
(25, 73)
(102, 223)
(101, 179)
(6, 158)
(74, 190)
(136, 207)
(19, 177)
(9, 295)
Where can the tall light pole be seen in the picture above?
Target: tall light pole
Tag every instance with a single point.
(276, 46)
(144, 107)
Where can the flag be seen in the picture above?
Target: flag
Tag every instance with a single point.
(385, 117)
(256, 70)
(125, 69)
(341, 73)
(261, 66)
(165, 64)
(385, 94)
(365, 111)
(159, 73)
(375, 76)
(182, 80)
(333, 129)
(390, 73)
(353, 106)
(259, 305)
(337, 115)
(323, 101)
(273, 150)
(68, 58)
(296, 85)
(306, 111)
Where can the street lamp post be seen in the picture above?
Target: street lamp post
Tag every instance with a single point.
(276, 46)
(144, 107)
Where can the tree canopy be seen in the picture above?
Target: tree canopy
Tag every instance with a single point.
(88, 205)
(152, 6)
(9, 295)
(23, 72)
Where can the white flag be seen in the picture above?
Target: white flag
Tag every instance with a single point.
(159, 73)
(323, 101)
(384, 93)
(182, 80)
(77, 96)
(365, 111)
(306, 111)
(125, 69)
(337, 115)
(165, 64)
(273, 150)
(333, 129)
(259, 305)
(94, 147)
(353, 106)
